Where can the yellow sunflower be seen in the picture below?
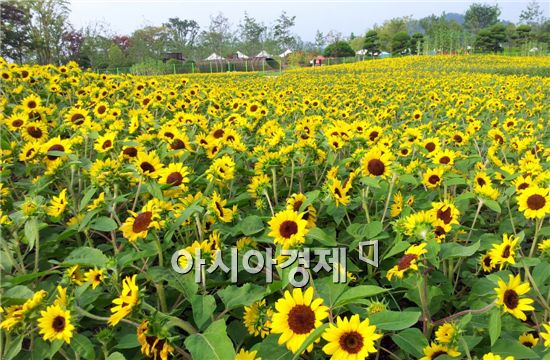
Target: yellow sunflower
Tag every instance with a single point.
(432, 351)
(247, 355)
(138, 225)
(297, 316)
(508, 296)
(377, 163)
(34, 131)
(534, 202)
(153, 346)
(528, 339)
(95, 277)
(216, 205)
(432, 178)
(288, 228)
(57, 204)
(124, 304)
(503, 253)
(546, 335)
(491, 356)
(295, 201)
(407, 261)
(105, 142)
(446, 212)
(55, 324)
(257, 318)
(350, 339)
(148, 164)
(445, 334)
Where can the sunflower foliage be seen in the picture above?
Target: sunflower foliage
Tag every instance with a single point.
(442, 160)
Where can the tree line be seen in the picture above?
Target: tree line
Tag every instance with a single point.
(39, 31)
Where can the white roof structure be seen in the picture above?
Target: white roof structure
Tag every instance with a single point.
(240, 55)
(285, 53)
(264, 53)
(214, 56)
(362, 52)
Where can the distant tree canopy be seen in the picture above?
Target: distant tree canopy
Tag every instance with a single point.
(39, 31)
(339, 49)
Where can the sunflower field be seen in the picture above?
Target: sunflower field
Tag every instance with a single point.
(387, 209)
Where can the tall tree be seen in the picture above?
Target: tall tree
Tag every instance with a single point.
(339, 49)
(15, 30)
(182, 34)
(319, 41)
(532, 14)
(282, 31)
(252, 34)
(491, 39)
(372, 42)
(400, 43)
(417, 43)
(49, 24)
(219, 37)
(481, 16)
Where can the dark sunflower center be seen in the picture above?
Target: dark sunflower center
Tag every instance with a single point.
(444, 215)
(527, 343)
(434, 179)
(56, 147)
(177, 144)
(480, 181)
(219, 208)
(458, 138)
(351, 342)
(487, 261)
(536, 202)
(31, 104)
(17, 123)
(337, 192)
(58, 323)
(218, 133)
(142, 221)
(30, 152)
(373, 135)
(147, 167)
(406, 261)
(506, 252)
(107, 144)
(253, 108)
(169, 135)
(437, 353)
(445, 160)
(297, 205)
(376, 167)
(101, 109)
(523, 186)
(288, 228)
(35, 132)
(77, 119)
(130, 151)
(439, 231)
(301, 319)
(511, 299)
(174, 179)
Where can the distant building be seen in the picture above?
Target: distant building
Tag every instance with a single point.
(173, 56)
(214, 57)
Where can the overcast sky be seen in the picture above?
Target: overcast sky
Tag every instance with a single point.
(124, 16)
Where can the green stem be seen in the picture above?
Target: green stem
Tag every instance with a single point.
(475, 219)
(274, 174)
(538, 225)
(388, 198)
(160, 286)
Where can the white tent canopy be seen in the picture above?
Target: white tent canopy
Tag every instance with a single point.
(362, 52)
(264, 53)
(214, 56)
(240, 55)
(287, 52)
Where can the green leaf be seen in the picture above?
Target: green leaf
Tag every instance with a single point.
(451, 250)
(394, 320)
(270, 349)
(87, 256)
(154, 189)
(362, 231)
(512, 347)
(411, 341)
(116, 356)
(251, 225)
(203, 307)
(16, 295)
(127, 341)
(358, 292)
(322, 236)
(104, 223)
(492, 204)
(83, 346)
(14, 348)
(311, 196)
(309, 340)
(494, 325)
(328, 290)
(31, 232)
(87, 197)
(399, 247)
(234, 296)
(408, 179)
(214, 344)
